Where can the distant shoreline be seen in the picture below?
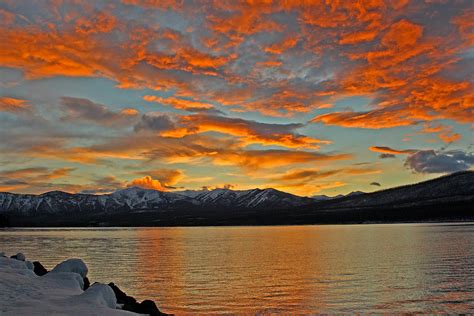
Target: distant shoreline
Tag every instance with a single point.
(460, 222)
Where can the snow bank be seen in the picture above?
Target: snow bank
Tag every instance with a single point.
(59, 292)
(100, 294)
(72, 265)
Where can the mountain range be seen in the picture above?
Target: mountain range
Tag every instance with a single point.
(136, 198)
(445, 198)
(326, 197)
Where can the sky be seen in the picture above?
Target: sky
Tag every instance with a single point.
(308, 97)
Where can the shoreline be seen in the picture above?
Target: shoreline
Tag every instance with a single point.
(458, 221)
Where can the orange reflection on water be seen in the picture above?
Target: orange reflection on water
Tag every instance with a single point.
(299, 269)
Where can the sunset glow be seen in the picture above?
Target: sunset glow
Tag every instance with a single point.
(309, 97)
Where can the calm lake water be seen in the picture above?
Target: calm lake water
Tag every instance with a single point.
(427, 268)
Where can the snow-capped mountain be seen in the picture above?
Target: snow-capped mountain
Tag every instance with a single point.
(254, 198)
(135, 198)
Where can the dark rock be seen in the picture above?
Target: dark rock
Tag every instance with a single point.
(87, 283)
(122, 297)
(130, 303)
(39, 269)
(149, 307)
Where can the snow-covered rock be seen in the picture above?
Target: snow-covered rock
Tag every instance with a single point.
(72, 265)
(22, 292)
(100, 294)
(30, 265)
(19, 256)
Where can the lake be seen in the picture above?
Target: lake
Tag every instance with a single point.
(426, 268)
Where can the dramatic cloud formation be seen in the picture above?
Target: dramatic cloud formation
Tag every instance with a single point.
(249, 132)
(147, 182)
(160, 179)
(254, 93)
(430, 161)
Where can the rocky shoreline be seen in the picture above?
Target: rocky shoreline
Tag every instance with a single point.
(68, 276)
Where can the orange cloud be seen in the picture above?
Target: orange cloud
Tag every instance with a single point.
(161, 180)
(315, 174)
(358, 37)
(188, 59)
(372, 119)
(100, 23)
(250, 132)
(157, 4)
(307, 189)
(22, 173)
(13, 105)
(59, 173)
(283, 103)
(246, 23)
(281, 47)
(166, 177)
(129, 112)
(387, 45)
(30, 178)
(445, 133)
(180, 104)
(242, 55)
(256, 159)
(465, 25)
(269, 63)
(147, 182)
(388, 150)
(438, 98)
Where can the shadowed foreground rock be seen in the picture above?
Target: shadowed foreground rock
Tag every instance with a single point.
(39, 270)
(87, 283)
(130, 303)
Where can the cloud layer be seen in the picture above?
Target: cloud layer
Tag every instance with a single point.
(288, 94)
(430, 161)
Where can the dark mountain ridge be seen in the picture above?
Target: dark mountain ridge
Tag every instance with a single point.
(448, 198)
(450, 188)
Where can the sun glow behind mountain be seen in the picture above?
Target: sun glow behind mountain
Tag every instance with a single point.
(306, 97)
